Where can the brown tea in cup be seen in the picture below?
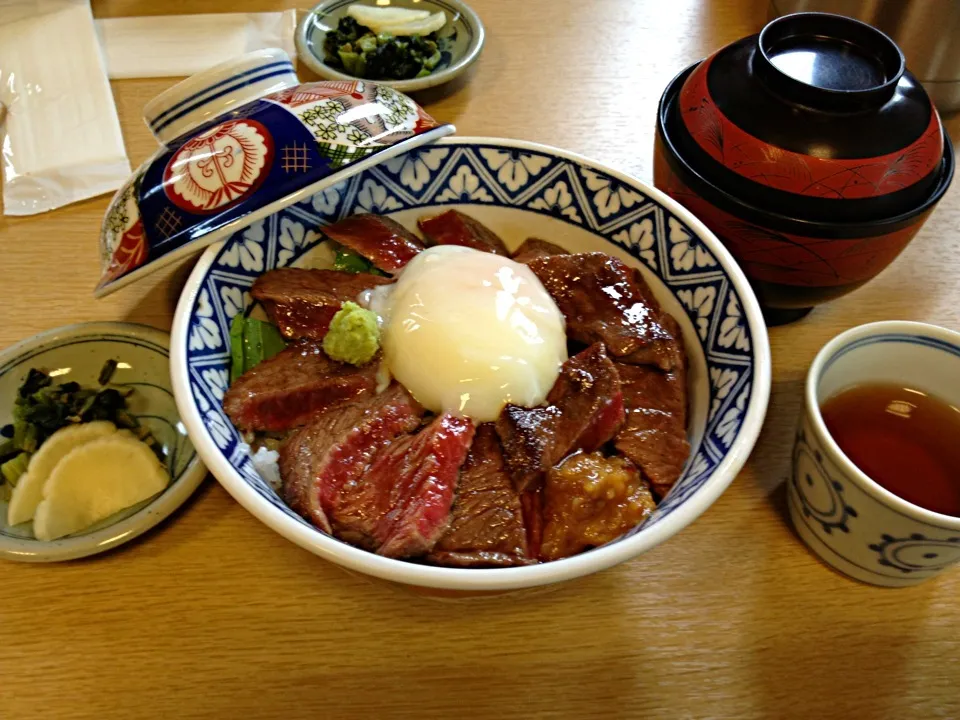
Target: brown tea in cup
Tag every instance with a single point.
(903, 439)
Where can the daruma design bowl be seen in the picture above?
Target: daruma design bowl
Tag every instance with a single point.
(519, 190)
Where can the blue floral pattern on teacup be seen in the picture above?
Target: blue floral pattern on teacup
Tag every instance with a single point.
(820, 494)
(917, 553)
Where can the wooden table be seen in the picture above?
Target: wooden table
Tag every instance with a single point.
(214, 615)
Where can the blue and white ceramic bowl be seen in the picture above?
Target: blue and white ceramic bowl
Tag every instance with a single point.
(854, 524)
(518, 189)
(77, 353)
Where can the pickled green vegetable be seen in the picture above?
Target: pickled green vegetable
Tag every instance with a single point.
(358, 51)
(43, 407)
(14, 468)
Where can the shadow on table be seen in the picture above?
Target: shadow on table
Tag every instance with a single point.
(442, 93)
(161, 538)
(771, 457)
(159, 293)
(846, 650)
(845, 647)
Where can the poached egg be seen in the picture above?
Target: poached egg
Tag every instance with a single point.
(467, 332)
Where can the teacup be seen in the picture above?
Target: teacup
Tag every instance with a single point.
(851, 522)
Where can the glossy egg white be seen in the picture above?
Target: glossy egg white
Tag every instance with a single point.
(467, 332)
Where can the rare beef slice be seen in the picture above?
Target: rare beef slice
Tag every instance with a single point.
(293, 386)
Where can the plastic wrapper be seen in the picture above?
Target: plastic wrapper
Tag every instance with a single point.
(61, 136)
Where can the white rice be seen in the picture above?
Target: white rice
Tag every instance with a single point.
(266, 463)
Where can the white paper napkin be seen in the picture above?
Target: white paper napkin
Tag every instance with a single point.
(63, 140)
(179, 45)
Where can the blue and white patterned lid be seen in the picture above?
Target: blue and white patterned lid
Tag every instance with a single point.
(242, 141)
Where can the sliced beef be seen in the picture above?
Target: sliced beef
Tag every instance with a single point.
(291, 387)
(326, 458)
(487, 526)
(532, 503)
(655, 434)
(454, 228)
(303, 302)
(384, 242)
(584, 410)
(604, 300)
(668, 356)
(401, 505)
(527, 435)
(424, 487)
(534, 248)
(590, 500)
(589, 396)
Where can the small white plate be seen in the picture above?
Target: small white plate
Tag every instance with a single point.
(77, 353)
(464, 31)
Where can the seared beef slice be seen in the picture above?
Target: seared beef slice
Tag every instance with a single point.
(585, 410)
(454, 228)
(590, 500)
(324, 460)
(303, 302)
(384, 242)
(590, 399)
(534, 248)
(604, 300)
(487, 527)
(291, 387)
(401, 504)
(655, 434)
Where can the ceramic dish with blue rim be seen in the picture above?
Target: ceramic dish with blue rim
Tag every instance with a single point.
(461, 40)
(78, 353)
(518, 190)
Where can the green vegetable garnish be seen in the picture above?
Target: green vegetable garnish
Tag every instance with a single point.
(13, 469)
(106, 372)
(251, 342)
(7, 450)
(354, 336)
(351, 262)
(360, 52)
(354, 63)
(236, 347)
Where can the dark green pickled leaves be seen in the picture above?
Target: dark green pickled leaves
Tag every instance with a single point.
(358, 51)
(42, 407)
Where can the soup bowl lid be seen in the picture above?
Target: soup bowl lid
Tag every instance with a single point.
(815, 117)
(240, 142)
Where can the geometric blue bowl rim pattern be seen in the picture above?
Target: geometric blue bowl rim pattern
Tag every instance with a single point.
(515, 174)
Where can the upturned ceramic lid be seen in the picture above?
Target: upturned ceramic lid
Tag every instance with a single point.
(240, 142)
(816, 117)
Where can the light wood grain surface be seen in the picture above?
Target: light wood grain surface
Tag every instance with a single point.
(214, 615)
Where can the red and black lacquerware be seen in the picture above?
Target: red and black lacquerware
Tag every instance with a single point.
(810, 151)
